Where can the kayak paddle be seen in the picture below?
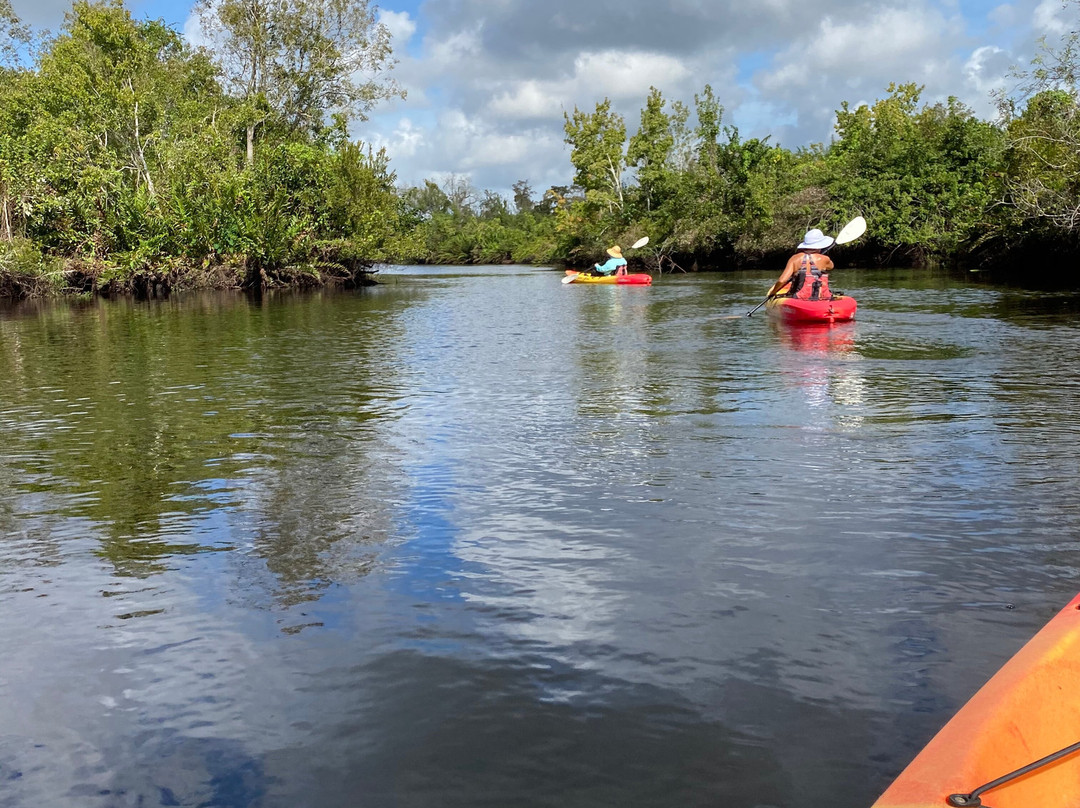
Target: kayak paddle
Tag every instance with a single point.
(852, 230)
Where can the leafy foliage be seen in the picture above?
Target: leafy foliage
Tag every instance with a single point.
(292, 63)
(456, 224)
(597, 142)
(921, 175)
(123, 150)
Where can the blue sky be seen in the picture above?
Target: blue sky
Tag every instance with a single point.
(488, 81)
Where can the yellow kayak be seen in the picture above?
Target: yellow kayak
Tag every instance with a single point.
(634, 278)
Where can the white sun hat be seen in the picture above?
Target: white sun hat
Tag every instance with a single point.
(815, 240)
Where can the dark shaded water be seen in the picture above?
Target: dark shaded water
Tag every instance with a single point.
(477, 538)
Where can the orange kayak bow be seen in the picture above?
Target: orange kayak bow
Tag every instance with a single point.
(1016, 743)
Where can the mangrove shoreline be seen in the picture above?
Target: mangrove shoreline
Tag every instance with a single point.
(132, 163)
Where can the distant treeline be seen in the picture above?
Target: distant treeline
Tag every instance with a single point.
(937, 185)
(130, 161)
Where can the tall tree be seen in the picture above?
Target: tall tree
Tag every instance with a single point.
(14, 35)
(460, 192)
(597, 140)
(682, 146)
(299, 60)
(710, 114)
(1042, 120)
(920, 174)
(523, 201)
(650, 149)
(111, 95)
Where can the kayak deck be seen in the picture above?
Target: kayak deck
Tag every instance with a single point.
(1030, 709)
(631, 279)
(838, 309)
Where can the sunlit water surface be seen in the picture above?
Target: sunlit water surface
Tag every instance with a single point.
(478, 538)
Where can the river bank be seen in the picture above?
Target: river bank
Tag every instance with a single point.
(27, 273)
(85, 278)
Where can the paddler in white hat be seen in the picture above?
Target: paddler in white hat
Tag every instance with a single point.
(806, 273)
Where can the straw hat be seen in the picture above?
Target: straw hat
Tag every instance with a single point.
(815, 240)
(615, 252)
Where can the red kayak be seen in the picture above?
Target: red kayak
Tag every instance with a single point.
(838, 309)
(634, 278)
(1016, 743)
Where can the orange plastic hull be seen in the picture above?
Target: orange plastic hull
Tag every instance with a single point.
(1028, 710)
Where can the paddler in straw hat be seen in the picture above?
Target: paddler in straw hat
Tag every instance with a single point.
(806, 273)
(613, 264)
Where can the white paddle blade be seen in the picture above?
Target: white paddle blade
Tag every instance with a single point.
(569, 279)
(641, 242)
(852, 230)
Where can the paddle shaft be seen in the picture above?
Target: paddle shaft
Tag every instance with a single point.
(758, 306)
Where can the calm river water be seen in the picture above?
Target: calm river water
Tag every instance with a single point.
(478, 538)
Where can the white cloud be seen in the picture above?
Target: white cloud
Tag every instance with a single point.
(481, 146)
(1050, 18)
(847, 59)
(987, 69)
(613, 73)
(621, 73)
(449, 52)
(529, 99)
(1005, 16)
(400, 25)
(896, 42)
(193, 32)
(493, 149)
(404, 143)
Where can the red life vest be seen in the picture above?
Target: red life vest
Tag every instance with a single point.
(809, 282)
